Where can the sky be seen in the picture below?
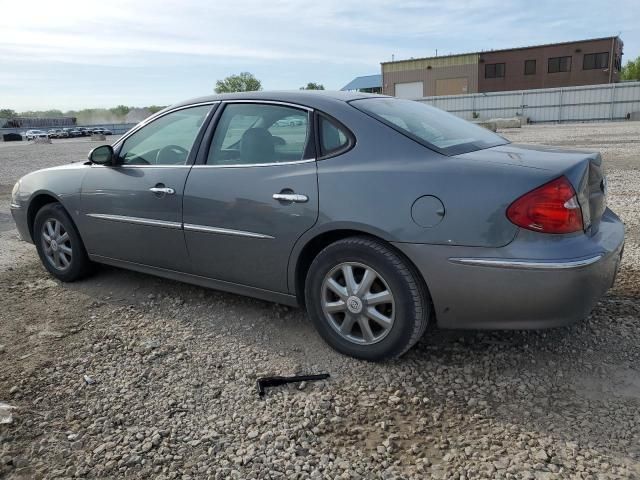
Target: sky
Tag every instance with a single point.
(79, 54)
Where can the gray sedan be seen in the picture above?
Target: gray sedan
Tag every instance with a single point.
(377, 215)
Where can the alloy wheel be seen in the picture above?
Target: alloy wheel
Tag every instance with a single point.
(56, 244)
(358, 303)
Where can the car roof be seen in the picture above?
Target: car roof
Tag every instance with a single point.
(318, 99)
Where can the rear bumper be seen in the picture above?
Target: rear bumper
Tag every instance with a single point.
(534, 282)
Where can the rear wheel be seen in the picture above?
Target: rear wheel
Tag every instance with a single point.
(59, 244)
(366, 300)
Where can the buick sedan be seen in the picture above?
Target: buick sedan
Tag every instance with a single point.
(377, 215)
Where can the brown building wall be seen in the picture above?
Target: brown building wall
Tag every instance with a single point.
(463, 69)
(514, 60)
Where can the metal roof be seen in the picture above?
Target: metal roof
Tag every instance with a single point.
(366, 81)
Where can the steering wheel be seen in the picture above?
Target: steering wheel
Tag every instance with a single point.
(171, 155)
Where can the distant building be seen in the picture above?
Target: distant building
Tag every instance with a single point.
(37, 122)
(584, 62)
(367, 84)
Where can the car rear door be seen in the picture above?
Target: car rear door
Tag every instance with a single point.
(132, 210)
(253, 195)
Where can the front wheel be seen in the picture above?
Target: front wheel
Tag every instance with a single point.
(366, 300)
(59, 244)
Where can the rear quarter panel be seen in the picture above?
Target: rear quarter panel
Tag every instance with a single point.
(376, 183)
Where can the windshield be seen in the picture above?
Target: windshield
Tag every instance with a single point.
(430, 126)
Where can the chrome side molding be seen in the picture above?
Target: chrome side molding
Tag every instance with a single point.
(187, 226)
(225, 231)
(528, 264)
(136, 220)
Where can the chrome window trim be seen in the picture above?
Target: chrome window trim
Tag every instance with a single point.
(310, 111)
(271, 164)
(136, 220)
(224, 231)
(156, 116)
(270, 102)
(528, 264)
(141, 166)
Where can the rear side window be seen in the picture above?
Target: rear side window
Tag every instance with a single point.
(429, 126)
(332, 137)
(251, 134)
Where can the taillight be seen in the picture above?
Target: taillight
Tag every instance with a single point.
(551, 208)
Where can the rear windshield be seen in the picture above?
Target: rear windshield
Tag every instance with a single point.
(430, 126)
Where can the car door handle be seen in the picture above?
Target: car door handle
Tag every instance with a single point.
(290, 197)
(167, 190)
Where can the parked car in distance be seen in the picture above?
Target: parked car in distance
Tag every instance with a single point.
(60, 133)
(52, 133)
(72, 132)
(106, 131)
(31, 134)
(289, 122)
(388, 214)
(97, 130)
(84, 131)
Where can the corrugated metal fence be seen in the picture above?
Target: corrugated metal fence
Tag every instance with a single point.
(613, 101)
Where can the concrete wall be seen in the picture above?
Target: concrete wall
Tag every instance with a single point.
(515, 79)
(454, 67)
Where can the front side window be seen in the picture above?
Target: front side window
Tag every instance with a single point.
(253, 133)
(594, 61)
(332, 137)
(494, 70)
(165, 141)
(559, 64)
(429, 126)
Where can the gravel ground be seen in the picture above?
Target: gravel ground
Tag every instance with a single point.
(126, 375)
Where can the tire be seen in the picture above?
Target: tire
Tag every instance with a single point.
(77, 263)
(338, 316)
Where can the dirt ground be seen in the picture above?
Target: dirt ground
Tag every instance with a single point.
(124, 375)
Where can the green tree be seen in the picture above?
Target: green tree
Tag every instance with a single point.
(7, 113)
(243, 82)
(120, 110)
(313, 86)
(154, 109)
(42, 113)
(631, 71)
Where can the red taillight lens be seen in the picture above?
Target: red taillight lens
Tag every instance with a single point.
(551, 208)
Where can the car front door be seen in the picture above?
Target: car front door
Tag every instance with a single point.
(254, 195)
(132, 210)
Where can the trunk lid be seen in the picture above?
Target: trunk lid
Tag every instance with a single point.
(583, 169)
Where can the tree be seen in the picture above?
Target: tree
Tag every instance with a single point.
(631, 71)
(154, 109)
(313, 86)
(7, 113)
(243, 82)
(120, 111)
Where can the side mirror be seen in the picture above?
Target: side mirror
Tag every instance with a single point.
(102, 155)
